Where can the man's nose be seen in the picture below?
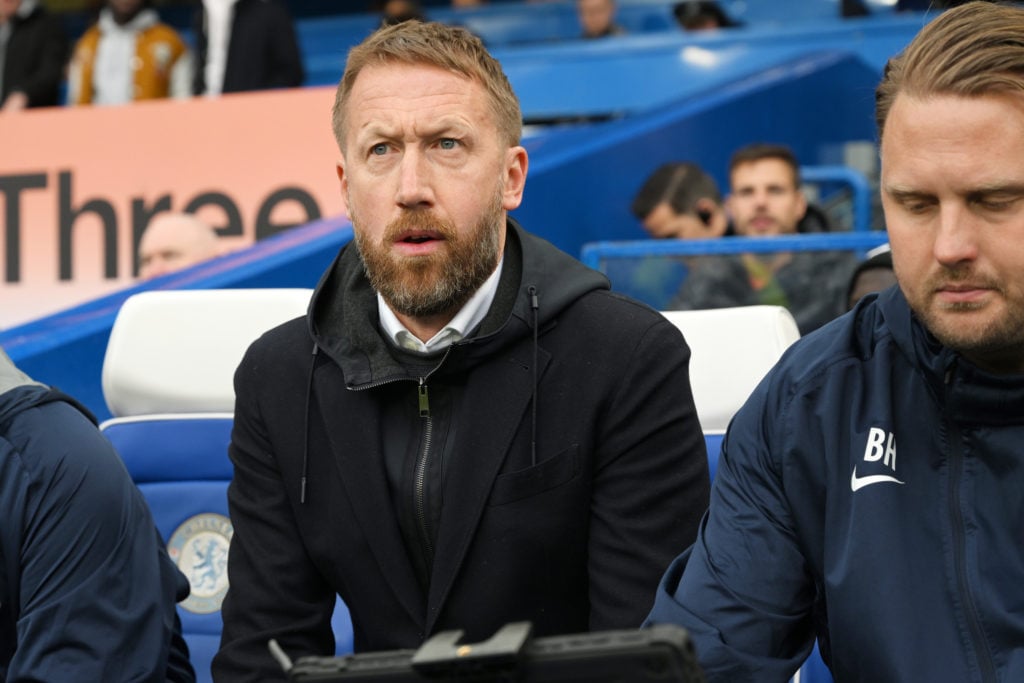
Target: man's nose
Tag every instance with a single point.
(414, 188)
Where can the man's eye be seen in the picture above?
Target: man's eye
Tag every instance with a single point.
(448, 143)
(379, 149)
(996, 204)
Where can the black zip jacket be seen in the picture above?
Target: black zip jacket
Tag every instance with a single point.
(564, 469)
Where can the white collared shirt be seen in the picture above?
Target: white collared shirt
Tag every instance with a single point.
(468, 317)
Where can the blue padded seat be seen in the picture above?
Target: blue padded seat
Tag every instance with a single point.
(713, 442)
(167, 379)
(181, 465)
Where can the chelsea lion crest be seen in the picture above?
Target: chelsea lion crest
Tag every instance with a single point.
(200, 549)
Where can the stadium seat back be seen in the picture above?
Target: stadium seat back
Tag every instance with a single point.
(731, 350)
(168, 380)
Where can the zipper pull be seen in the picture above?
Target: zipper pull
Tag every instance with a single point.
(424, 398)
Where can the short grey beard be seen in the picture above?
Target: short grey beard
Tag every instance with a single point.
(442, 283)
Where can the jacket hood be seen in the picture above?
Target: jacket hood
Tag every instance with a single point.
(17, 390)
(969, 394)
(343, 320)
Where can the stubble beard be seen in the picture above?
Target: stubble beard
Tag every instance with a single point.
(440, 282)
(995, 342)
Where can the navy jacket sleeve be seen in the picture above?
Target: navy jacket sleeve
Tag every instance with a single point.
(94, 592)
(743, 590)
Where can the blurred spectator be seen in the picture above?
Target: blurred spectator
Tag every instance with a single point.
(766, 200)
(33, 50)
(468, 3)
(853, 8)
(397, 11)
(245, 45)
(597, 18)
(681, 201)
(127, 55)
(174, 241)
(677, 201)
(873, 274)
(700, 15)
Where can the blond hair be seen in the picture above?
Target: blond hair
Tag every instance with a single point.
(971, 50)
(434, 44)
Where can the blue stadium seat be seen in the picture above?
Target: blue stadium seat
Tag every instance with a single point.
(713, 442)
(731, 350)
(167, 379)
(814, 670)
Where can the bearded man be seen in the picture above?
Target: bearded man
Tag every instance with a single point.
(467, 428)
(868, 494)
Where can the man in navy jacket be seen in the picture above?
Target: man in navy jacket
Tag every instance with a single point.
(870, 494)
(87, 592)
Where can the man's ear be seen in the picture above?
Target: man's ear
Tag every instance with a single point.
(802, 203)
(516, 166)
(343, 185)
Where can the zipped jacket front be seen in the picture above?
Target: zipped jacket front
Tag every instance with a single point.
(869, 493)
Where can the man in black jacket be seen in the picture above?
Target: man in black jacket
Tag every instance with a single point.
(245, 45)
(468, 428)
(33, 50)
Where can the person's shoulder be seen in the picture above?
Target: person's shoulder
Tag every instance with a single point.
(161, 32)
(615, 315)
(617, 305)
(289, 339)
(855, 338)
(89, 38)
(38, 15)
(57, 442)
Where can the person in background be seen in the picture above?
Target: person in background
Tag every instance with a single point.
(87, 590)
(681, 201)
(33, 50)
(700, 15)
(868, 493)
(468, 428)
(597, 18)
(765, 194)
(128, 55)
(873, 274)
(173, 241)
(244, 45)
(677, 201)
(397, 11)
(766, 200)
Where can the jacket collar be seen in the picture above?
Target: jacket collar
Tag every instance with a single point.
(344, 323)
(968, 394)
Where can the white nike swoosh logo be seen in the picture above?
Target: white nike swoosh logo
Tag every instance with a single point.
(860, 482)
